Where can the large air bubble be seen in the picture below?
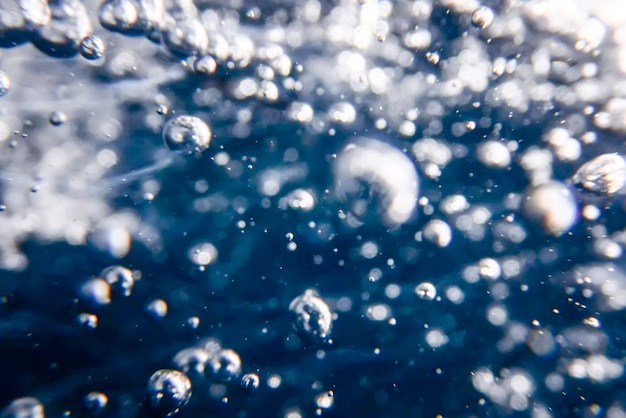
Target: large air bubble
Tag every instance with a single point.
(372, 176)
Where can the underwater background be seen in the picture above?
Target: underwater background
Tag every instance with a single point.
(312, 208)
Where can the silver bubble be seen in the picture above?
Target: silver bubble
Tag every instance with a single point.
(187, 133)
(604, 174)
(311, 316)
(369, 170)
(169, 391)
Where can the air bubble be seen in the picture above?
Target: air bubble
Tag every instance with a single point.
(552, 206)
(92, 48)
(426, 291)
(120, 279)
(369, 170)
(205, 65)
(311, 316)
(24, 408)
(187, 134)
(95, 402)
(70, 24)
(57, 118)
(169, 391)
(482, 17)
(250, 382)
(604, 174)
(225, 365)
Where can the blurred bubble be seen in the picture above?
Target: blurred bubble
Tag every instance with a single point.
(192, 359)
(325, 400)
(24, 408)
(120, 279)
(203, 254)
(185, 37)
(482, 17)
(369, 170)
(604, 174)
(225, 365)
(62, 35)
(494, 154)
(250, 382)
(5, 83)
(205, 65)
(187, 133)
(438, 232)
(97, 291)
(552, 206)
(426, 291)
(95, 402)
(157, 308)
(311, 316)
(168, 391)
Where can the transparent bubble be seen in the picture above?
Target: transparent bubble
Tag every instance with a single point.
(187, 134)
(482, 17)
(203, 254)
(5, 83)
(92, 47)
(131, 16)
(168, 391)
(162, 110)
(552, 206)
(225, 365)
(325, 400)
(157, 308)
(57, 118)
(120, 278)
(95, 402)
(19, 18)
(24, 408)
(185, 37)
(311, 316)
(205, 65)
(438, 232)
(368, 170)
(604, 174)
(426, 291)
(494, 154)
(192, 359)
(250, 382)
(70, 24)
(97, 291)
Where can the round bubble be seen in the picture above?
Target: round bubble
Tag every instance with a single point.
(57, 118)
(92, 47)
(426, 291)
(482, 17)
(552, 206)
(250, 382)
(95, 402)
(311, 316)
(187, 133)
(168, 391)
(368, 170)
(24, 408)
(120, 278)
(131, 17)
(70, 24)
(225, 365)
(185, 37)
